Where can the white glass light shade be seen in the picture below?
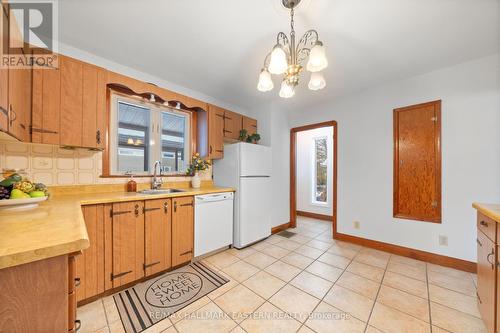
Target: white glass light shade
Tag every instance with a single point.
(317, 81)
(317, 58)
(278, 63)
(265, 81)
(287, 90)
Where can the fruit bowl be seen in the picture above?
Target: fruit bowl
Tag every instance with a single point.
(20, 204)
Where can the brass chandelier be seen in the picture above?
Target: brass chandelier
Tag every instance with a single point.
(287, 57)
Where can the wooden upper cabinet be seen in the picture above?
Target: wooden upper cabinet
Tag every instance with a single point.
(71, 101)
(215, 132)
(250, 125)
(128, 242)
(4, 75)
(232, 125)
(46, 106)
(182, 230)
(158, 235)
(19, 112)
(90, 265)
(417, 162)
(69, 105)
(486, 261)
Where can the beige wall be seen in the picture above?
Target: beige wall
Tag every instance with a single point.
(52, 165)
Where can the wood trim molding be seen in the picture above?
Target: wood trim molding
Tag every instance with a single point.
(279, 228)
(322, 217)
(433, 258)
(293, 167)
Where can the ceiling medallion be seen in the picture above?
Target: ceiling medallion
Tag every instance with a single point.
(286, 58)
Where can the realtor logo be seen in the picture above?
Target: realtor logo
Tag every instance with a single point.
(29, 34)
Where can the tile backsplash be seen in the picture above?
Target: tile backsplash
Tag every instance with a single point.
(53, 165)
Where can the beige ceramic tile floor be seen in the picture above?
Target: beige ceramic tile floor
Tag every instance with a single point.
(310, 283)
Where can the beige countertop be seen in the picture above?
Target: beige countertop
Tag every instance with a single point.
(490, 210)
(57, 227)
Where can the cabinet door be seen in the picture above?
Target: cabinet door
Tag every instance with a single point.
(158, 235)
(486, 259)
(182, 230)
(93, 106)
(4, 74)
(215, 132)
(46, 106)
(20, 103)
(90, 265)
(128, 242)
(250, 125)
(71, 101)
(102, 109)
(232, 125)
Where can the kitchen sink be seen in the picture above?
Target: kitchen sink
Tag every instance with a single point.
(161, 191)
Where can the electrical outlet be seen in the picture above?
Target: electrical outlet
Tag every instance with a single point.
(443, 240)
(356, 224)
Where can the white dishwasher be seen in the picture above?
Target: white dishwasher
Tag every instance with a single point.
(213, 222)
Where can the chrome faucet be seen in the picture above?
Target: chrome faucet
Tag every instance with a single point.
(156, 181)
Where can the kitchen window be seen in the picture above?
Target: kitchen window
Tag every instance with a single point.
(320, 171)
(142, 133)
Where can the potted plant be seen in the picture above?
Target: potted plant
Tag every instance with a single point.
(254, 138)
(243, 135)
(197, 164)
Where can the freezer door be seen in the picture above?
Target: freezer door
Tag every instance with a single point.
(255, 160)
(254, 221)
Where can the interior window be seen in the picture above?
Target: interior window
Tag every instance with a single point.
(320, 176)
(143, 132)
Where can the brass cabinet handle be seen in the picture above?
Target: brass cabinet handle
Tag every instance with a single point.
(119, 275)
(78, 324)
(151, 264)
(488, 258)
(13, 115)
(136, 210)
(175, 206)
(77, 282)
(210, 149)
(165, 206)
(484, 224)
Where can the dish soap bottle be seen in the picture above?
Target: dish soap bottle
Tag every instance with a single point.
(131, 185)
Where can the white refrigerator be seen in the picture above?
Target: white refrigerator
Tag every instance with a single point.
(247, 168)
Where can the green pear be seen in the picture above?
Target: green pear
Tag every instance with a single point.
(17, 194)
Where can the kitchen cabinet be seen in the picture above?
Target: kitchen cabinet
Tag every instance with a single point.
(487, 271)
(90, 265)
(158, 235)
(19, 97)
(215, 132)
(250, 125)
(35, 297)
(128, 242)
(182, 230)
(69, 105)
(4, 74)
(232, 125)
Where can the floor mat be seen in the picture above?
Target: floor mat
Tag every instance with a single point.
(149, 302)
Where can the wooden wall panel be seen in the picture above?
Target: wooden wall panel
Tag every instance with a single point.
(417, 162)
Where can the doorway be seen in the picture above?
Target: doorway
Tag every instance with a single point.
(313, 152)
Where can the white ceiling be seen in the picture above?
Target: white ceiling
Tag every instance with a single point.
(217, 47)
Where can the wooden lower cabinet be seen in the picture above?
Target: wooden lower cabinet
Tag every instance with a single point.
(34, 297)
(128, 242)
(90, 265)
(158, 235)
(487, 273)
(486, 270)
(182, 230)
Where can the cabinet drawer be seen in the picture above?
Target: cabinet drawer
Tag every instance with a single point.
(486, 259)
(487, 226)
